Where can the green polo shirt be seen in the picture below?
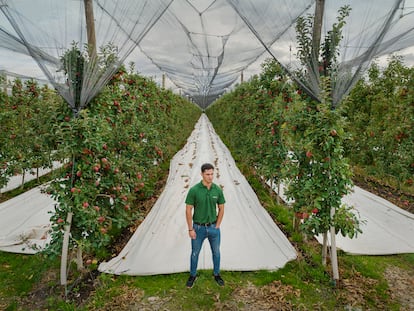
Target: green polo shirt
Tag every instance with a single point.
(205, 202)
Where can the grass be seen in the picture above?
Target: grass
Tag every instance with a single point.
(18, 275)
(303, 284)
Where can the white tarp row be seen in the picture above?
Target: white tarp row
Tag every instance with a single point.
(250, 240)
(16, 181)
(24, 222)
(386, 228)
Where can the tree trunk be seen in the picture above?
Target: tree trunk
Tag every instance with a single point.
(65, 247)
(325, 248)
(79, 260)
(23, 176)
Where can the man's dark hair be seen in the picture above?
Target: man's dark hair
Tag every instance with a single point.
(206, 166)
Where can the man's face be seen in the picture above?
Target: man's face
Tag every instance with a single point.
(208, 176)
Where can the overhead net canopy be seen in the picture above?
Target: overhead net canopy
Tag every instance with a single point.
(365, 30)
(203, 46)
(79, 45)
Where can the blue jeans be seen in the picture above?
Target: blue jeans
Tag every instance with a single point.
(213, 236)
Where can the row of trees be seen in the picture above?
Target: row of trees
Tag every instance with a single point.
(380, 115)
(26, 138)
(112, 152)
(311, 148)
(291, 140)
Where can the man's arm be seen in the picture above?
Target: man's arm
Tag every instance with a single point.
(189, 215)
(189, 218)
(220, 215)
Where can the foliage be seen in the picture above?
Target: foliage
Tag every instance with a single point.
(112, 152)
(270, 111)
(380, 113)
(26, 141)
(329, 48)
(318, 175)
(328, 53)
(86, 70)
(73, 63)
(320, 61)
(257, 108)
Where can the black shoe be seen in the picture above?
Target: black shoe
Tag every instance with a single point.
(219, 280)
(190, 281)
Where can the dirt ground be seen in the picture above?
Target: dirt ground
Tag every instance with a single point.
(401, 284)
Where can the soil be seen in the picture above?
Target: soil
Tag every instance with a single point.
(401, 283)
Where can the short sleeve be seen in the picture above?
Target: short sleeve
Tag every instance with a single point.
(221, 199)
(190, 199)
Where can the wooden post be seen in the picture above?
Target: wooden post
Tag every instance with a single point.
(90, 27)
(241, 77)
(317, 33)
(324, 248)
(65, 247)
(163, 81)
(334, 259)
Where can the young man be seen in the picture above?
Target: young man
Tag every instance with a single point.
(202, 202)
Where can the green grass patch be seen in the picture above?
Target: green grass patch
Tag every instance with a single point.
(19, 274)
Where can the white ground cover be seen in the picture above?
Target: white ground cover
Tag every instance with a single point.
(250, 240)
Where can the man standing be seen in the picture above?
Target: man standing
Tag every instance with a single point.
(204, 223)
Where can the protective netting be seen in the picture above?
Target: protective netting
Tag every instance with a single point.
(371, 29)
(203, 46)
(76, 56)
